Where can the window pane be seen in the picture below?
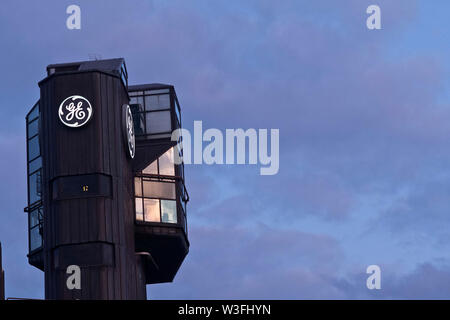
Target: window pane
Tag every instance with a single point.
(177, 112)
(136, 93)
(138, 187)
(157, 91)
(157, 102)
(137, 100)
(154, 189)
(34, 187)
(151, 210)
(169, 211)
(138, 121)
(139, 210)
(164, 101)
(35, 239)
(33, 148)
(166, 166)
(34, 113)
(35, 164)
(158, 122)
(34, 218)
(33, 128)
(151, 103)
(152, 168)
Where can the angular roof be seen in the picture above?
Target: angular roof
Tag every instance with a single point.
(108, 65)
(149, 86)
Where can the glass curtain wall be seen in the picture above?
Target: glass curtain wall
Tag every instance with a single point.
(34, 171)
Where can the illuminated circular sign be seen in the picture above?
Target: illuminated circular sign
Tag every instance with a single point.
(75, 111)
(128, 130)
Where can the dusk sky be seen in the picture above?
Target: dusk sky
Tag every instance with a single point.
(364, 120)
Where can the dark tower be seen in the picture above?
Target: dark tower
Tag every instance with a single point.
(87, 149)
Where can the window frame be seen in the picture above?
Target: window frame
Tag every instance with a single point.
(31, 117)
(181, 196)
(173, 108)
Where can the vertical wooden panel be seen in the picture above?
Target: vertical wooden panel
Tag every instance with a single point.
(98, 148)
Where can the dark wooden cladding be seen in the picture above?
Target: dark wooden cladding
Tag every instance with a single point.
(81, 186)
(91, 222)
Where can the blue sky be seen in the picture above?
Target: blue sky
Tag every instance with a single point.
(364, 119)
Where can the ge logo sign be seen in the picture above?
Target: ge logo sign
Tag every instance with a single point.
(128, 130)
(75, 111)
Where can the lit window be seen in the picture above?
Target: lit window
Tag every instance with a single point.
(139, 209)
(166, 166)
(169, 211)
(151, 210)
(155, 189)
(152, 168)
(138, 187)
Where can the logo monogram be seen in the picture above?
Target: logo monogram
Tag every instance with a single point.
(75, 111)
(129, 130)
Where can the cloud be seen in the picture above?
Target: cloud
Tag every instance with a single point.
(364, 150)
(254, 263)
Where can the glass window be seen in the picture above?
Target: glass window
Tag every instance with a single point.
(35, 164)
(34, 187)
(177, 112)
(164, 101)
(157, 91)
(136, 93)
(155, 189)
(34, 113)
(138, 187)
(33, 128)
(169, 211)
(34, 218)
(152, 168)
(151, 210)
(33, 148)
(139, 209)
(166, 166)
(137, 100)
(35, 239)
(138, 121)
(158, 122)
(152, 103)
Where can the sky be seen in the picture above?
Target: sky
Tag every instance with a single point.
(364, 120)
